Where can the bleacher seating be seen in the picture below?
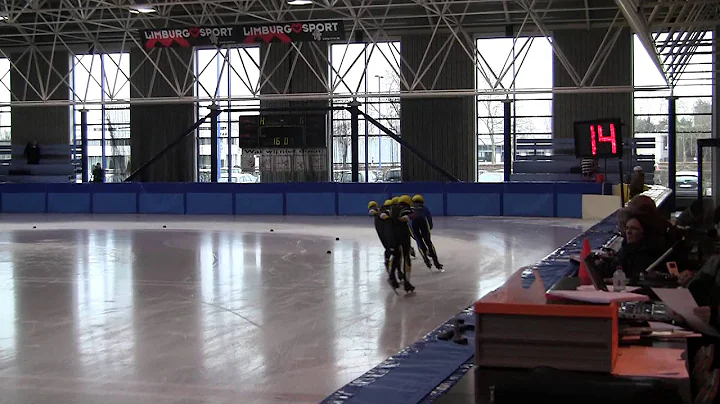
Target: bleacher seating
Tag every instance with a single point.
(56, 164)
(554, 160)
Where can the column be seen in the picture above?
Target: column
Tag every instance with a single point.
(154, 126)
(39, 76)
(442, 129)
(580, 46)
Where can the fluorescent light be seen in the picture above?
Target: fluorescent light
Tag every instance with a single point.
(299, 2)
(3, 17)
(142, 10)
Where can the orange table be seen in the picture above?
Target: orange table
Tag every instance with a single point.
(662, 361)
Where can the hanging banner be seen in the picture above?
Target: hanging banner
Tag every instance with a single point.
(300, 31)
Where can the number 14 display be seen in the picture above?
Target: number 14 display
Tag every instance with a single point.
(598, 139)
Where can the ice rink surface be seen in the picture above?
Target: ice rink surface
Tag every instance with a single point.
(118, 309)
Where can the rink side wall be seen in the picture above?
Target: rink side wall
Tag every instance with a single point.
(525, 199)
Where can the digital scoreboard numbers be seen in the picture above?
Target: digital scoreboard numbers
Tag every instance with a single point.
(283, 131)
(598, 138)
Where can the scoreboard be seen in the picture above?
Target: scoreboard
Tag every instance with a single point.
(599, 138)
(283, 131)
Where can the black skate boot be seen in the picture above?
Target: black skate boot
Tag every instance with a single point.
(412, 252)
(427, 263)
(393, 283)
(438, 265)
(409, 288)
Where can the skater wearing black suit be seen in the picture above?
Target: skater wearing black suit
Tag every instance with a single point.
(400, 217)
(381, 214)
(421, 225)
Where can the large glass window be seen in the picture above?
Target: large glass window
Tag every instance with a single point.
(508, 64)
(101, 85)
(5, 98)
(232, 78)
(367, 69)
(693, 87)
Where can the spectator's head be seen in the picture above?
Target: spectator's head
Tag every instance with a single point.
(638, 169)
(643, 203)
(98, 165)
(634, 229)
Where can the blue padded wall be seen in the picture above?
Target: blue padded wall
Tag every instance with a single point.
(68, 202)
(259, 204)
(452, 199)
(209, 203)
(31, 202)
(120, 203)
(157, 203)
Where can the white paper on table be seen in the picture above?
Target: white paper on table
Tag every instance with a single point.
(599, 296)
(586, 288)
(658, 326)
(681, 302)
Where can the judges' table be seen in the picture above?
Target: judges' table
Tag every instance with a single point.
(519, 332)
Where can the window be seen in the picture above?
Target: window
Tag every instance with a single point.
(693, 87)
(5, 98)
(366, 69)
(101, 85)
(511, 65)
(231, 77)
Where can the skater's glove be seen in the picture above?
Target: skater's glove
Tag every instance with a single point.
(384, 216)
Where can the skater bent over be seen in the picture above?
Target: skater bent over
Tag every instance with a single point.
(400, 217)
(380, 214)
(422, 224)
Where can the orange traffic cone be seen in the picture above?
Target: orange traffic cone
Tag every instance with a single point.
(583, 274)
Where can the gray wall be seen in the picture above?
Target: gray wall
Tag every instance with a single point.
(443, 129)
(304, 79)
(152, 127)
(47, 124)
(580, 46)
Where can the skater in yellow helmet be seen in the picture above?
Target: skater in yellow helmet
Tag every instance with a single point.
(400, 217)
(421, 226)
(381, 214)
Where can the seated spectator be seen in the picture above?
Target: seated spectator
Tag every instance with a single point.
(589, 167)
(637, 182)
(98, 173)
(32, 152)
(640, 248)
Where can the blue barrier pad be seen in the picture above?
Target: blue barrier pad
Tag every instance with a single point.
(473, 204)
(569, 205)
(311, 203)
(68, 202)
(263, 204)
(412, 374)
(435, 203)
(528, 205)
(21, 202)
(357, 204)
(115, 203)
(209, 204)
(162, 203)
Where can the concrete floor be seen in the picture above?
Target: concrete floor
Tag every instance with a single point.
(222, 310)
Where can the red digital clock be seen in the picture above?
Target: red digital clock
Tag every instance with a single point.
(598, 138)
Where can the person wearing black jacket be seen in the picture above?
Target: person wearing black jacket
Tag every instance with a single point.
(380, 214)
(400, 217)
(422, 224)
(32, 152)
